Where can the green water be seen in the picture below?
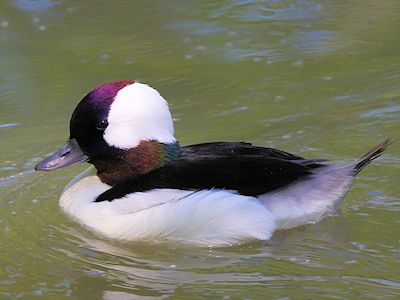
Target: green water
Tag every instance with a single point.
(317, 78)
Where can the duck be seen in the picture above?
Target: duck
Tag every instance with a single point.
(147, 187)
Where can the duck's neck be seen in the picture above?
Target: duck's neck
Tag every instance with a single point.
(129, 164)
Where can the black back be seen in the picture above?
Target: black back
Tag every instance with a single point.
(242, 167)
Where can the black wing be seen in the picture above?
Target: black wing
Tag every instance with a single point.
(241, 148)
(242, 167)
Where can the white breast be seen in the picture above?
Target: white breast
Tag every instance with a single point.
(208, 217)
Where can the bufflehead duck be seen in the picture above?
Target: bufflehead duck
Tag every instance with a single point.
(148, 187)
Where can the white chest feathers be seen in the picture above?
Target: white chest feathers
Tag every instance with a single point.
(208, 217)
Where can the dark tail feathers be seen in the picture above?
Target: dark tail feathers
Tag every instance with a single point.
(375, 152)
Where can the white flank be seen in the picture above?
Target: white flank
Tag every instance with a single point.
(208, 217)
(138, 113)
(309, 201)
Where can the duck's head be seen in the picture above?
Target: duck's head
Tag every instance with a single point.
(124, 128)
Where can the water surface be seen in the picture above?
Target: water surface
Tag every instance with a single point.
(317, 78)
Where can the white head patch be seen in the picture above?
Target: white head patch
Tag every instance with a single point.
(138, 113)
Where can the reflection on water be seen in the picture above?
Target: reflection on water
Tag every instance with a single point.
(315, 78)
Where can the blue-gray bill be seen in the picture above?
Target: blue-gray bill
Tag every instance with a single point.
(70, 154)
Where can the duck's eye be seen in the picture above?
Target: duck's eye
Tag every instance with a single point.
(102, 125)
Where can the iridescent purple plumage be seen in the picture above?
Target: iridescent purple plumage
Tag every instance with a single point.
(102, 97)
(91, 110)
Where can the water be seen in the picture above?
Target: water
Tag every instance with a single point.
(317, 78)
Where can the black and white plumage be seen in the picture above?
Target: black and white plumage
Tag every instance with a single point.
(242, 167)
(148, 187)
